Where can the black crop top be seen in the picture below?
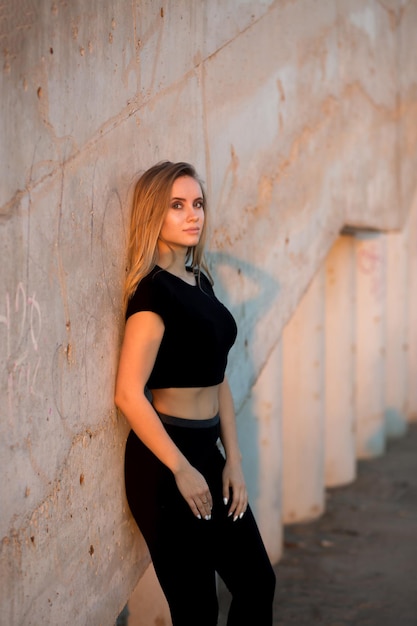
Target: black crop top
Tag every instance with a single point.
(199, 330)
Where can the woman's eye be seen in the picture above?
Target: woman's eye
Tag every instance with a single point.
(199, 205)
(177, 205)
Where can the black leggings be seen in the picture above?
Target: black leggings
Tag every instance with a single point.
(187, 552)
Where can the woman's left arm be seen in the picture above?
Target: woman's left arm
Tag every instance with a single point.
(234, 486)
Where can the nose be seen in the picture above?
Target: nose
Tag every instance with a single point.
(193, 213)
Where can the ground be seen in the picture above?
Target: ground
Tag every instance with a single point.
(357, 564)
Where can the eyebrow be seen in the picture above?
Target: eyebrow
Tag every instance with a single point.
(184, 199)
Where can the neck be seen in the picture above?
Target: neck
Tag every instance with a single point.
(175, 263)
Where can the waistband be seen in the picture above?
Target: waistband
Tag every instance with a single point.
(186, 423)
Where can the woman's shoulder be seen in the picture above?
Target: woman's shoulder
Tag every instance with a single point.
(151, 278)
(150, 294)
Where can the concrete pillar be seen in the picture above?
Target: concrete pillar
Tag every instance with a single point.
(268, 408)
(259, 425)
(411, 231)
(396, 365)
(340, 447)
(370, 306)
(303, 407)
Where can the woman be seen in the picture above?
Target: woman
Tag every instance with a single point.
(189, 501)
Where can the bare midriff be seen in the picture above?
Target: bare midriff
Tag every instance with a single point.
(197, 403)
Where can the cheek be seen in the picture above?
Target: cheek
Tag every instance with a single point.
(169, 223)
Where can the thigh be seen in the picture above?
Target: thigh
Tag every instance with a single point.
(184, 564)
(241, 557)
(239, 552)
(179, 543)
(144, 476)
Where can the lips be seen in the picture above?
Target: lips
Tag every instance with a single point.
(192, 231)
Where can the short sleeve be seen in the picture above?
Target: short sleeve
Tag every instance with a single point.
(147, 297)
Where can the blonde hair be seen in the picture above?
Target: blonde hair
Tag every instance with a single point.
(150, 203)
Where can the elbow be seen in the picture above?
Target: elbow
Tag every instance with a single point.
(120, 398)
(127, 400)
(122, 392)
(117, 400)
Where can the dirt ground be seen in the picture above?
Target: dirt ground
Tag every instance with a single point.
(357, 564)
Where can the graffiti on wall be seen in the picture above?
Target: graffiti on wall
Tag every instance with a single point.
(370, 261)
(20, 328)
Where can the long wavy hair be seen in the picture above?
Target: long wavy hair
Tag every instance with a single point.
(150, 203)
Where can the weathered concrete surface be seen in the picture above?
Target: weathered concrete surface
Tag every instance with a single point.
(303, 407)
(339, 428)
(301, 117)
(411, 238)
(370, 343)
(396, 322)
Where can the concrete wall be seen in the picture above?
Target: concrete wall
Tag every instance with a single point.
(300, 115)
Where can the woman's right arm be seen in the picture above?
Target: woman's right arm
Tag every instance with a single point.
(143, 335)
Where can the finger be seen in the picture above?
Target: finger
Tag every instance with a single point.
(194, 508)
(239, 506)
(226, 493)
(204, 505)
(240, 515)
(233, 506)
(241, 510)
(236, 497)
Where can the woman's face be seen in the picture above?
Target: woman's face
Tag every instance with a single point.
(184, 219)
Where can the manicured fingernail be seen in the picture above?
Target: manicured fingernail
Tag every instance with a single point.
(241, 515)
(225, 500)
(235, 518)
(198, 516)
(231, 513)
(207, 517)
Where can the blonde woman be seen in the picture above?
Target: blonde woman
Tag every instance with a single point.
(189, 501)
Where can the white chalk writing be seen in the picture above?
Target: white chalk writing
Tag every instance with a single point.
(21, 319)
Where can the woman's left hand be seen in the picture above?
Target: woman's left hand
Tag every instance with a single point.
(234, 490)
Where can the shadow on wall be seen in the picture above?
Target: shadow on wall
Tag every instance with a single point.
(249, 293)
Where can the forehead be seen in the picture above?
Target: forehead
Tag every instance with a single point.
(186, 186)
